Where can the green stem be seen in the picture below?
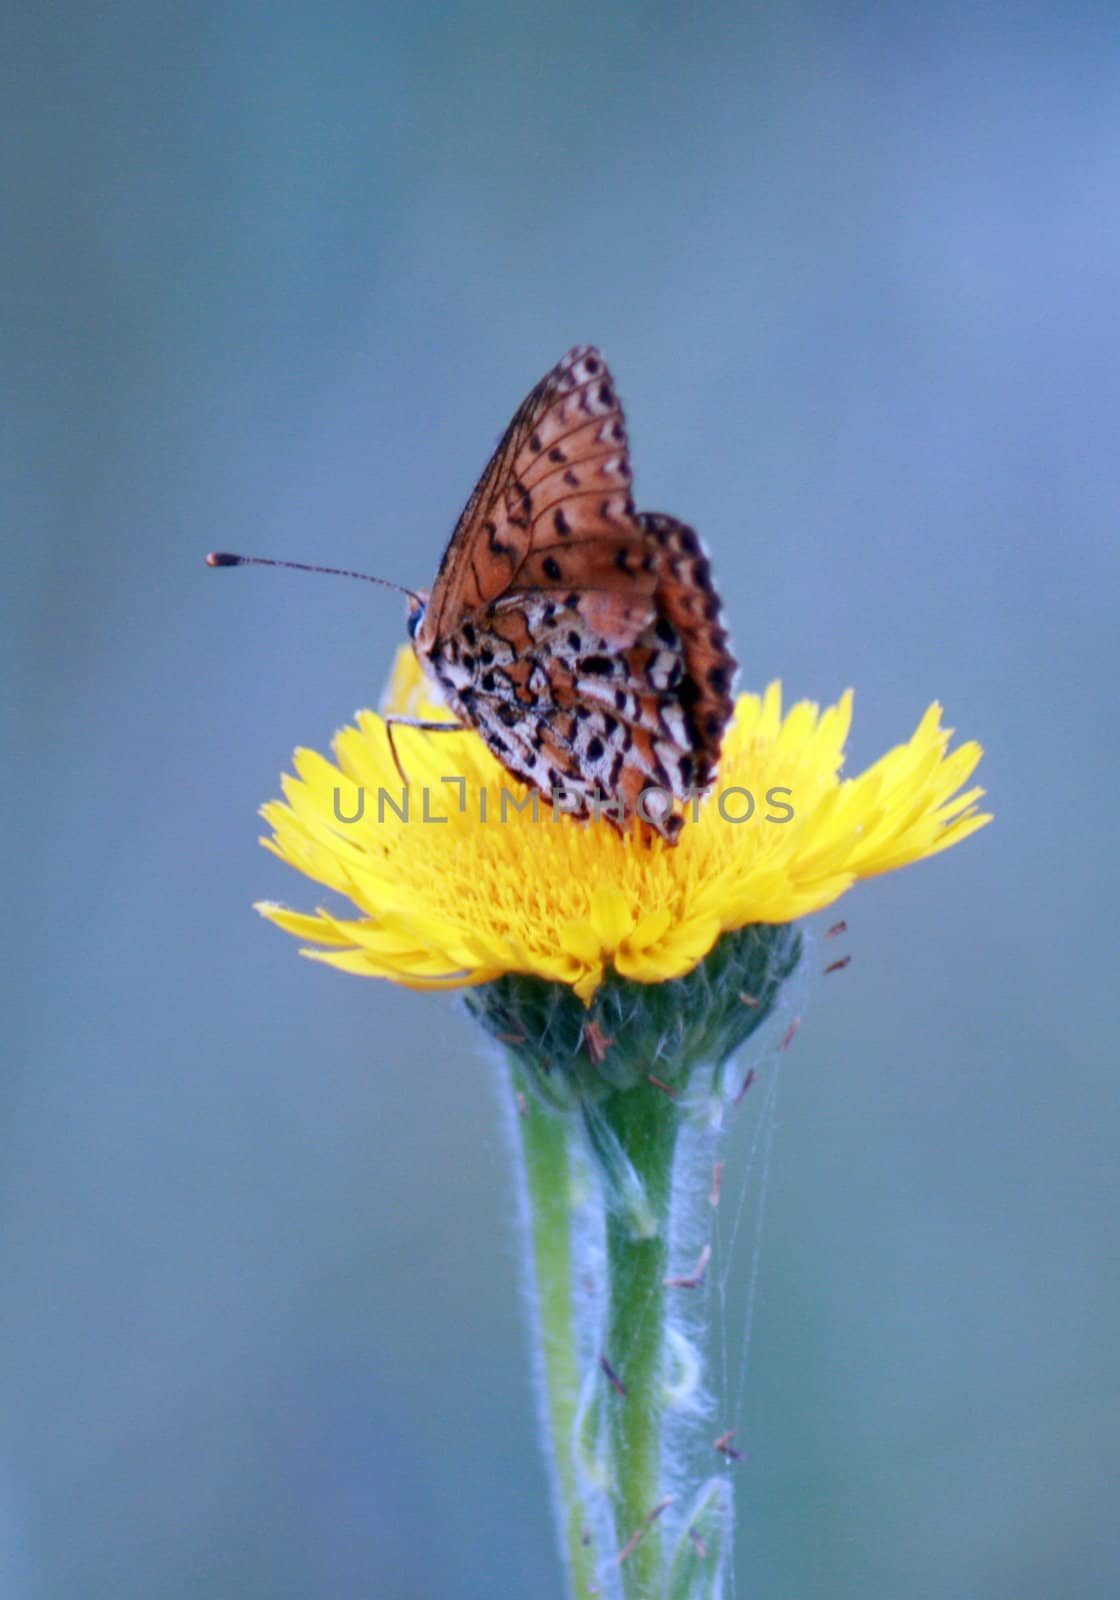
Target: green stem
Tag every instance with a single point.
(595, 1118)
(546, 1163)
(644, 1121)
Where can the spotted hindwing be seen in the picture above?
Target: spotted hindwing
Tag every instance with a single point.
(580, 638)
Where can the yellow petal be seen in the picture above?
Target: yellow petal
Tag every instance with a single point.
(460, 901)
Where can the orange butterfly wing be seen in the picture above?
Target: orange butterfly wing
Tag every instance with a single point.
(580, 638)
(552, 511)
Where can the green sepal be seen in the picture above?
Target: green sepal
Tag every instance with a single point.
(665, 1029)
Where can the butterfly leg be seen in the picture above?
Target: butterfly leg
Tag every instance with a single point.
(392, 722)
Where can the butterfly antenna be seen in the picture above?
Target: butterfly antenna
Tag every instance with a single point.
(223, 558)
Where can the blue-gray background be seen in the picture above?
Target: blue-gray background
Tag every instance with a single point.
(277, 275)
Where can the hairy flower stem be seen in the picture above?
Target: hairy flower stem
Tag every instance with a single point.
(644, 1121)
(616, 1110)
(544, 1136)
(632, 1135)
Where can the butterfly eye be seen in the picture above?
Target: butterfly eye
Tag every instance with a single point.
(416, 610)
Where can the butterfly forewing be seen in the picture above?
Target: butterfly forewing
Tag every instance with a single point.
(580, 638)
(555, 497)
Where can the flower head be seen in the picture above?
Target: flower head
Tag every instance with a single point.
(468, 876)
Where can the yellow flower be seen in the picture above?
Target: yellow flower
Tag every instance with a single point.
(465, 899)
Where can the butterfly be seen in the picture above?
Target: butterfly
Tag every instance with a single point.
(581, 638)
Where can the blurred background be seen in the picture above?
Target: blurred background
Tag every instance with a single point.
(276, 277)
